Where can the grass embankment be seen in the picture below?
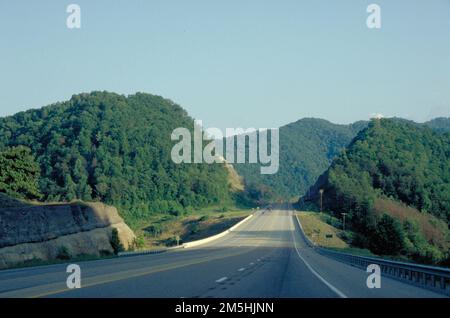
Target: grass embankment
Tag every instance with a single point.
(322, 230)
(319, 232)
(162, 230)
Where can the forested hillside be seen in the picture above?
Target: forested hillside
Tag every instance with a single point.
(112, 148)
(307, 147)
(393, 180)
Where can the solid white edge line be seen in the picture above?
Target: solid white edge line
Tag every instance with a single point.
(334, 289)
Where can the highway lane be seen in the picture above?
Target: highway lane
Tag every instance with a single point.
(264, 257)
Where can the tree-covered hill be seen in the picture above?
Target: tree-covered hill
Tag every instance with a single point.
(393, 180)
(116, 149)
(307, 147)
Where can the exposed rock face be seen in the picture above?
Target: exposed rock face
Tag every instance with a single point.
(41, 232)
(235, 181)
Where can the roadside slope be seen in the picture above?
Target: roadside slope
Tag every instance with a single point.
(49, 232)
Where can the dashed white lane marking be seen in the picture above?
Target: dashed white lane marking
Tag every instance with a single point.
(221, 279)
(252, 264)
(241, 269)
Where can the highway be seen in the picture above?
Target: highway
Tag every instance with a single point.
(265, 257)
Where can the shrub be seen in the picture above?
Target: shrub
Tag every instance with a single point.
(115, 242)
(105, 253)
(63, 253)
(428, 254)
(388, 237)
(195, 229)
(346, 236)
(176, 210)
(154, 229)
(360, 240)
(445, 262)
(138, 242)
(173, 241)
(331, 220)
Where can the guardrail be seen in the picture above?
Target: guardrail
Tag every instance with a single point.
(429, 277)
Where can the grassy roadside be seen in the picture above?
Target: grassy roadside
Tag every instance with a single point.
(323, 230)
(318, 225)
(163, 230)
(319, 232)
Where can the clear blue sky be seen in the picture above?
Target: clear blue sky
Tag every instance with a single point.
(233, 63)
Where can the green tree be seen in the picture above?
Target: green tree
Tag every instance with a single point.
(389, 237)
(19, 173)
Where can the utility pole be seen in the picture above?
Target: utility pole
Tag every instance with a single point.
(343, 221)
(321, 195)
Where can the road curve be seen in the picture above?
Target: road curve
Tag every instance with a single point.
(264, 257)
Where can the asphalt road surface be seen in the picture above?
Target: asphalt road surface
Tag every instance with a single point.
(264, 257)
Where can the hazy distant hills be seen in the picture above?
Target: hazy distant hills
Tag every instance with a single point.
(440, 124)
(307, 148)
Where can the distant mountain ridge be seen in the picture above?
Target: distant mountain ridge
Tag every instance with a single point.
(440, 124)
(307, 148)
